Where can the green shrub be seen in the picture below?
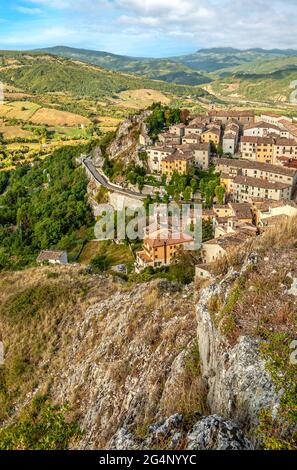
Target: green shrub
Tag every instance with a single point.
(41, 427)
(280, 432)
(29, 302)
(100, 263)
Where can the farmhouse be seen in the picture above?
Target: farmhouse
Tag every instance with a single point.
(169, 139)
(230, 139)
(201, 154)
(274, 119)
(191, 139)
(230, 168)
(257, 148)
(179, 162)
(156, 155)
(288, 129)
(266, 213)
(52, 257)
(194, 129)
(177, 129)
(284, 148)
(219, 247)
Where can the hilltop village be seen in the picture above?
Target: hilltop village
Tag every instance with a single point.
(239, 166)
(255, 157)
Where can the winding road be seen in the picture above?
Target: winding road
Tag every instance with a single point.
(102, 179)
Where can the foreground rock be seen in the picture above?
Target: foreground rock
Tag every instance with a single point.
(208, 433)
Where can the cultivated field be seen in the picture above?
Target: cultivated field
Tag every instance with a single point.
(29, 111)
(53, 117)
(141, 98)
(22, 110)
(14, 132)
(107, 123)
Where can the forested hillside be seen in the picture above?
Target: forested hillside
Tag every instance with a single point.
(43, 207)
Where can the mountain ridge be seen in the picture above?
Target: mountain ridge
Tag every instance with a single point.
(200, 67)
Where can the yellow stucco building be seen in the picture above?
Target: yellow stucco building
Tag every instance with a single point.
(159, 251)
(177, 162)
(211, 135)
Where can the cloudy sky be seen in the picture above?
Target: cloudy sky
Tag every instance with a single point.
(153, 28)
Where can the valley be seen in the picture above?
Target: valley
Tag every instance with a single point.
(50, 101)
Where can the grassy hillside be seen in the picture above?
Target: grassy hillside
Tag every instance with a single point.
(191, 69)
(47, 74)
(157, 69)
(51, 100)
(255, 74)
(272, 88)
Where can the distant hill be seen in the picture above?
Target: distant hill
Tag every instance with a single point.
(273, 88)
(201, 67)
(219, 60)
(44, 73)
(157, 69)
(254, 74)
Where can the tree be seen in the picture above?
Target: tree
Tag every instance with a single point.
(220, 150)
(187, 193)
(220, 194)
(194, 185)
(143, 156)
(100, 263)
(184, 268)
(140, 182)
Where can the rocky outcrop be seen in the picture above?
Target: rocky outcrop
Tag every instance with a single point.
(238, 383)
(215, 433)
(208, 433)
(125, 356)
(97, 157)
(125, 144)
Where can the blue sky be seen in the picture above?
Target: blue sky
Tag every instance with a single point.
(155, 28)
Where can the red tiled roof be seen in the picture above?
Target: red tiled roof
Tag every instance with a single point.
(261, 125)
(260, 183)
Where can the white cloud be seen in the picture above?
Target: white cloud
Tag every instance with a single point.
(195, 23)
(261, 23)
(28, 10)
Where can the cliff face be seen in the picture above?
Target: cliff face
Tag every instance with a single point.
(124, 146)
(151, 365)
(238, 384)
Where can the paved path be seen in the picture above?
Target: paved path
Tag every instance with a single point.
(102, 179)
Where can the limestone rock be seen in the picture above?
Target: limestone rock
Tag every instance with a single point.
(215, 433)
(208, 433)
(239, 386)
